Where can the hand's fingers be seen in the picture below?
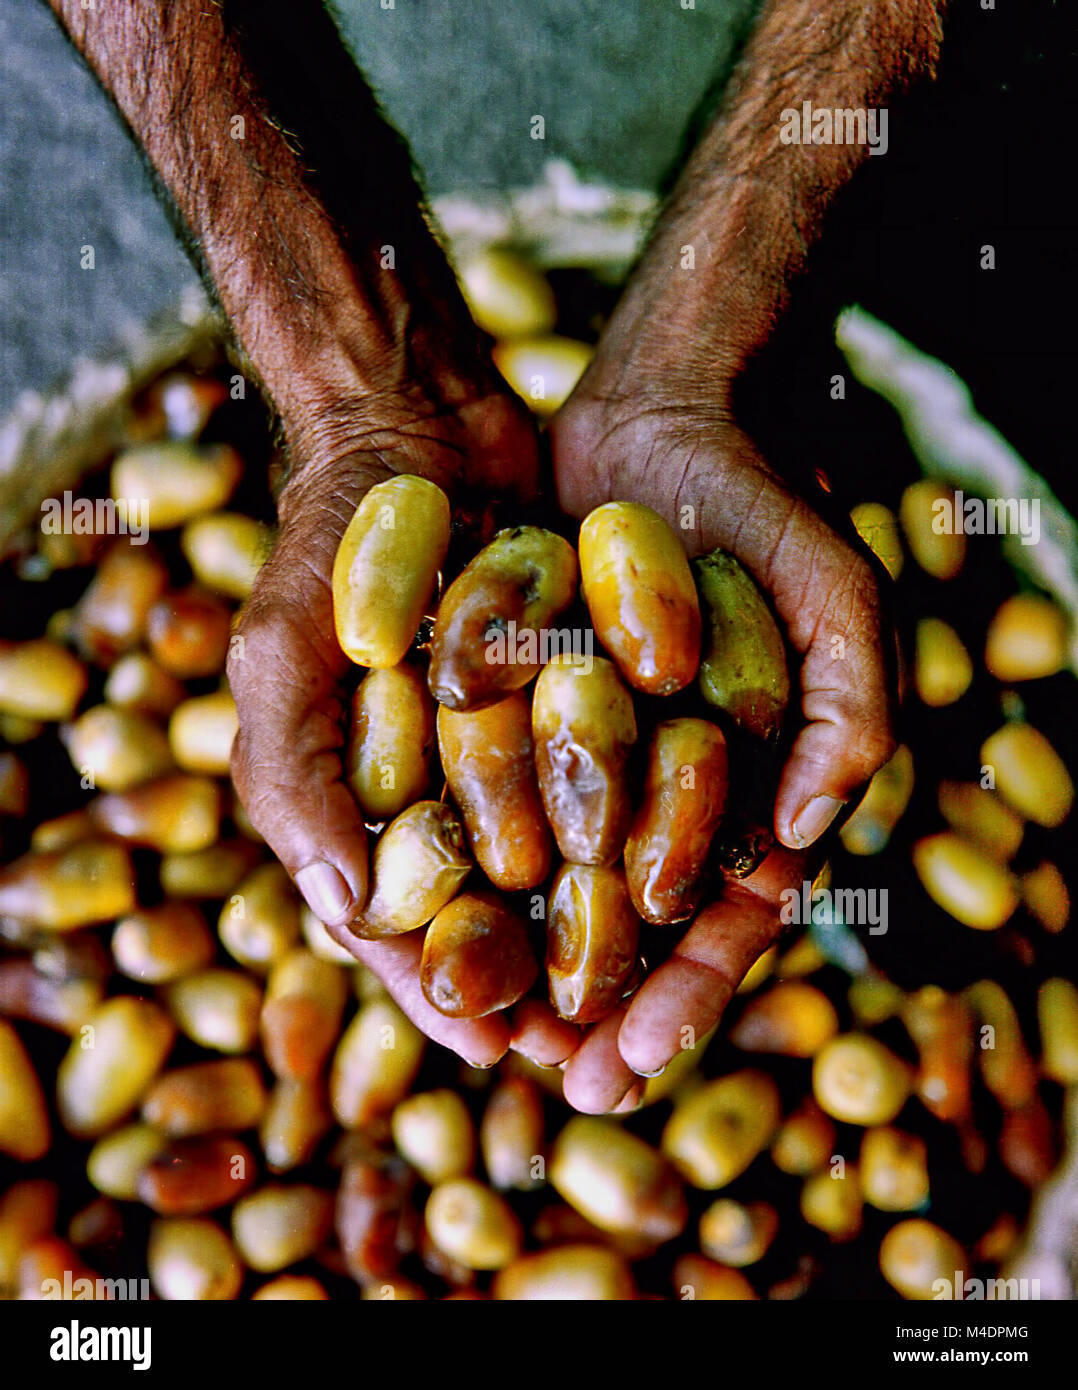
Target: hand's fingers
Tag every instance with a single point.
(686, 995)
(825, 593)
(286, 670)
(596, 1079)
(480, 1041)
(631, 1100)
(540, 1035)
(846, 692)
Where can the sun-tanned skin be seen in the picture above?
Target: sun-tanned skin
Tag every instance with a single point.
(373, 367)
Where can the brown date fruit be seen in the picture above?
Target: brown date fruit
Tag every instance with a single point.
(476, 957)
(592, 933)
(492, 623)
(684, 796)
(584, 727)
(489, 763)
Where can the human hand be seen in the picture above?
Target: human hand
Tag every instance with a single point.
(310, 226)
(652, 421)
(289, 676)
(623, 437)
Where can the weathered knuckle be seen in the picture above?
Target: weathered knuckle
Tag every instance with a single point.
(873, 743)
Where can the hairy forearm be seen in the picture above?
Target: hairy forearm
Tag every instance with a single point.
(298, 198)
(749, 203)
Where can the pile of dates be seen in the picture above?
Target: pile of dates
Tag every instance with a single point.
(590, 710)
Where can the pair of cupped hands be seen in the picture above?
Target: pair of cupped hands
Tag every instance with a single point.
(647, 423)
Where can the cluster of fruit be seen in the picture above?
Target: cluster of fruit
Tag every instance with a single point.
(528, 770)
(198, 1084)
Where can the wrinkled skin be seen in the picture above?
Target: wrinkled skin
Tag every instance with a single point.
(288, 678)
(292, 702)
(375, 369)
(667, 458)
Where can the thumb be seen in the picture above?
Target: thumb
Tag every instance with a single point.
(826, 595)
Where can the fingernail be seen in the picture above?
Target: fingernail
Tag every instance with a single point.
(478, 1066)
(630, 1101)
(650, 1074)
(814, 819)
(327, 894)
(547, 1066)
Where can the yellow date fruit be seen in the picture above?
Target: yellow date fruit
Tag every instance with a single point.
(1057, 1015)
(87, 882)
(435, 1133)
(568, 1273)
(543, 369)
(226, 550)
(584, 727)
(508, 297)
(511, 1134)
(640, 593)
(116, 749)
(968, 884)
(173, 814)
(189, 1259)
(859, 1081)
(170, 481)
(201, 731)
(386, 568)
(1044, 892)
(942, 668)
(804, 1142)
(24, 1116)
(492, 631)
(40, 680)
(877, 526)
(110, 617)
(743, 670)
(699, 1279)
(206, 1096)
(941, 1027)
(137, 682)
(982, 817)
(472, 1224)
(121, 1048)
(375, 1063)
(684, 796)
(1027, 639)
(921, 1261)
(301, 1014)
(717, 1130)
(735, 1234)
(1029, 774)
(476, 957)
(869, 828)
(592, 934)
(188, 633)
(1006, 1067)
(793, 1019)
(894, 1169)
(419, 863)
(924, 510)
(390, 742)
(616, 1180)
(833, 1202)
